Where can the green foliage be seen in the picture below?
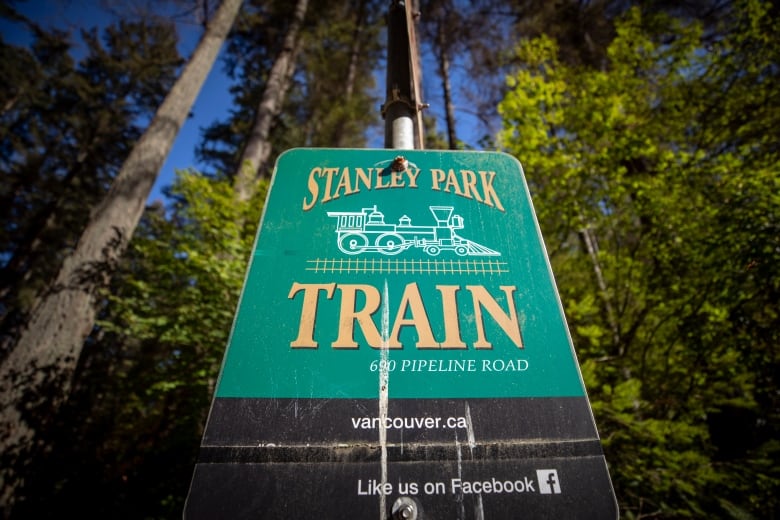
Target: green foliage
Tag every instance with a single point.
(667, 158)
(174, 311)
(147, 378)
(198, 255)
(334, 104)
(65, 129)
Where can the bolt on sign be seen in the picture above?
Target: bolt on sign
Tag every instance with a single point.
(400, 351)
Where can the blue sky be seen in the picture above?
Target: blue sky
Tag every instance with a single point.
(212, 103)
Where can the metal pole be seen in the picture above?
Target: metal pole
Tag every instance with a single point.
(400, 109)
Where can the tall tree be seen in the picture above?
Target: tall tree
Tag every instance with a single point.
(336, 107)
(64, 137)
(329, 100)
(128, 437)
(662, 157)
(470, 46)
(257, 150)
(356, 48)
(36, 374)
(446, 31)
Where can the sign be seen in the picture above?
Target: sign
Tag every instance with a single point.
(400, 350)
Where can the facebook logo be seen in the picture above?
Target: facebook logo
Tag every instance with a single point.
(548, 481)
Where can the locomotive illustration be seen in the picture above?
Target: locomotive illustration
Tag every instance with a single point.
(365, 231)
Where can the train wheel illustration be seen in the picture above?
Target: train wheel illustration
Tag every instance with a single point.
(432, 250)
(353, 243)
(462, 250)
(390, 243)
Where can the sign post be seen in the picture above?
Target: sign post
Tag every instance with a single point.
(400, 351)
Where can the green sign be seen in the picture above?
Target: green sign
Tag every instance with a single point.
(399, 348)
(427, 270)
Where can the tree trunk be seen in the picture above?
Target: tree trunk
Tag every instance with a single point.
(258, 148)
(35, 376)
(354, 51)
(444, 73)
(354, 58)
(591, 247)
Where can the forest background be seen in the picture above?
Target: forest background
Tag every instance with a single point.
(648, 135)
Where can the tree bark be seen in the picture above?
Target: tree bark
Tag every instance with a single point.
(354, 51)
(35, 377)
(444, 73)
(258, 148)
(591, 248)
(354, 58)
